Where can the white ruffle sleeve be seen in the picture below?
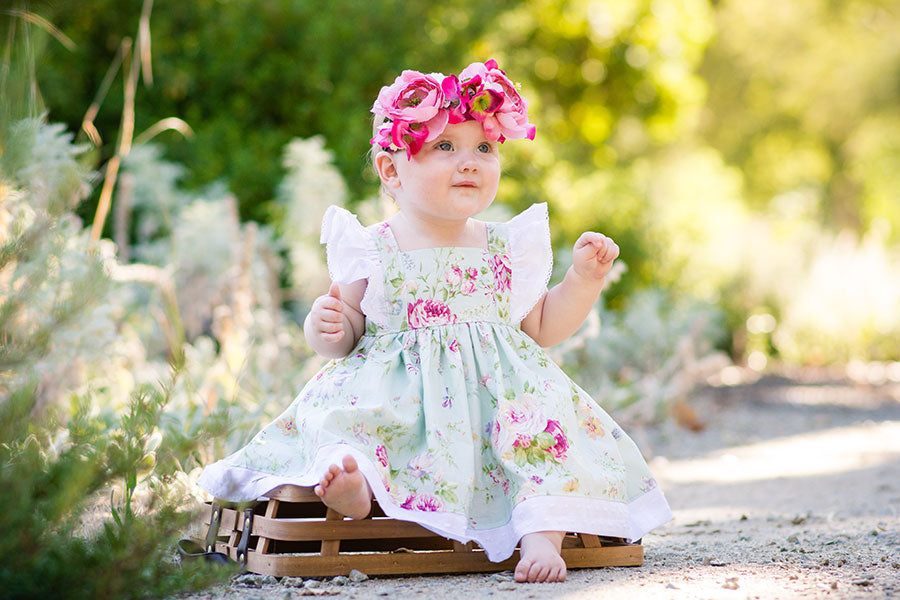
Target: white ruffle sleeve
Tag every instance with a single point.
(531, 258)
(349, 248)
(351, 255)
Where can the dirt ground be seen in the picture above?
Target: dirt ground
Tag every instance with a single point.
(791, 491)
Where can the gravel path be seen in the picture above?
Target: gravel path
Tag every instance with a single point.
(791, 491)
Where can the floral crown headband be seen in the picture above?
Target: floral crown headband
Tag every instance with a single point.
(417, 107)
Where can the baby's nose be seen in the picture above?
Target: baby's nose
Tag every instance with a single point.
(468, 163)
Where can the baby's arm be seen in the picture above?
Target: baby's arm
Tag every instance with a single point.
(335, 323)
(563, 309)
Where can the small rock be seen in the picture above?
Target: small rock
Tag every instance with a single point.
(508, 585)
(798, 520)
(312, 584)
(743, 518)
(794, 539)
(834, 585)
(501, 577)
(731, 583)
(292, 581)
(253, 580)
(670, 586)
(862, 582)
(715, 562)
(341, 580)
(357, 576)
(873, 533)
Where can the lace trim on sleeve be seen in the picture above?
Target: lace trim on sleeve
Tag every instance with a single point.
(531, 256)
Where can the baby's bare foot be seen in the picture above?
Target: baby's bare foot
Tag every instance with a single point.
(540, 559)
(345, 490)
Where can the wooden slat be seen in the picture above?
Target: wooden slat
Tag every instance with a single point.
(293, 493)
(331, 547)
(460, 547)
(262, 544)
(311, 565)
(298, 530)
(589, 541)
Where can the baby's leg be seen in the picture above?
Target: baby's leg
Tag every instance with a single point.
(540, 559)
(346, 490)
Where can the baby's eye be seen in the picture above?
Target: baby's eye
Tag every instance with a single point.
(484, 147)
(446, 146)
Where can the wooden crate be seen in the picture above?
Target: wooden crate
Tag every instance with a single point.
(294, 534)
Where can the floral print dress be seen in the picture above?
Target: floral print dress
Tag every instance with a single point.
(458, 420)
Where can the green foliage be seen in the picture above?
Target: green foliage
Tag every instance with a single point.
(250, 76)
(89, 510)
(52, 482)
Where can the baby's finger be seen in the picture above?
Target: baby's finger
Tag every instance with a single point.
(328, 303)
(332, 337)
(588, 237)
(330, 316)
(612, 252)
(330, 327)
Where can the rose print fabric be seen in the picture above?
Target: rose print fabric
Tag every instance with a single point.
(459, 420)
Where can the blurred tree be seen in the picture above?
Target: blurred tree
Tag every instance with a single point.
(248, 76)
(804, 97)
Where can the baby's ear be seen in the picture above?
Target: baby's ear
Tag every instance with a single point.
(387, 170)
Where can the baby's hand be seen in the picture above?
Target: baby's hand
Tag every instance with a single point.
(327, 315)
(593, 255)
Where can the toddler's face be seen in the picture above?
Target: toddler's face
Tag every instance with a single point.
(453, 177)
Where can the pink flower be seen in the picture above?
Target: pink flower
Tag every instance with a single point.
(428, 503)
(594, 427)
(558, 450)
(409, 502)
(428, 312)
(454, 276)
(454, 346)
(468, 287)
(472, 272)
(502, 268)
(416, 98)
(381, 455)
(495, 102)
(287, 426)
(522, 441)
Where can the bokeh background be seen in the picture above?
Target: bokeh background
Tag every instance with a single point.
(164, 168)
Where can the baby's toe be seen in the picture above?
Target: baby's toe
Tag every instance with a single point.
(349, 464)
(521, 574)
(533, 573)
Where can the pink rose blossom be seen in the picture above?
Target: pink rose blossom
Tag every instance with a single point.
(381, 454)
(502, 268)
(428, 312)
(454, 276)
(415, 98)
(472, 272)
(558, 450)
(409, 502)
(468, 287)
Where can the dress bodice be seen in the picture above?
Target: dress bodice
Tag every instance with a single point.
(432, 287)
